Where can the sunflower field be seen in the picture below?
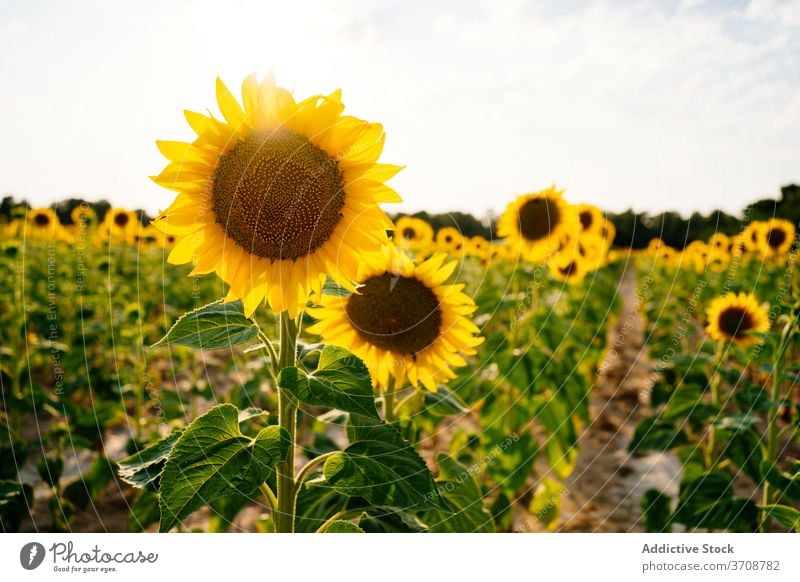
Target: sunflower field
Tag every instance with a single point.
(274, 353)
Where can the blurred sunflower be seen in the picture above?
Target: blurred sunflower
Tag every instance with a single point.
(775, 238)
(148, 237)
(736, 318)
(479, 247)
(569, 269)
(536, 222)
(751, 235)
(449, 239)
(719, 242)
(43, 224)
(413, 233)
(277, 195)
(83, 216)
(718, 259)
(608, 231)
(404, 322)
(120, 224)
(590, 218)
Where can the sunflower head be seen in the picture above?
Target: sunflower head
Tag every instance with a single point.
(537, 222)
(776, 237)
(479, 247)
(403, 321)
(590, 218)
(608, 231)
(450, 240)
(751, 236)
(277, 195)
(412, 233)
(737, 318)
(568, 268)
(83, 215)
(43, 224)
(43, 218)
(121, 225)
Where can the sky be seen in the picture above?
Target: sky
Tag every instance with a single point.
(652, 105)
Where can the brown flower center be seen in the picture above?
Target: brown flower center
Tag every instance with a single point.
(394, 313)
(409, 233)
(41, 219)
(537, 218)
(735, 322)
(278, 195)
(776, 237)
(568, 270)
(121, 219)
(586, 219)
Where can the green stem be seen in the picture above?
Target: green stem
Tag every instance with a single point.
(272, 501)
(720, 354)
(337, 516)
(287, 418)
(306, 471)
(772, 417)
(389, 394)
(273, 357)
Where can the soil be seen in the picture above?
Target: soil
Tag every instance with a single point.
(604, 492)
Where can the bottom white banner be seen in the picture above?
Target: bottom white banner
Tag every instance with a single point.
(330, 558)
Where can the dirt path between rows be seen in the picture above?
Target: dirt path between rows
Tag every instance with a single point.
(605, 490)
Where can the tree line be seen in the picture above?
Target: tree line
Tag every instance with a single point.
(633, 229)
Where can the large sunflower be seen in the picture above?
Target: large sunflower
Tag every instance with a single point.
(776, 237)
(535, 223)
(736, 318)
(277, 195)
(404, 322)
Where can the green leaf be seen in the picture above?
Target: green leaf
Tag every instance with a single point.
(742, 445)
(213, 326)
(390, 520)
(340, 526)
(382, 468)
(656, 511)
(50, 469)
(316, 503)
(15, 502)
(502, 513)
(212, 458)
(143, 469)
(331, 287)
(546, 503)
(655, 434)
(463, 494)
(687, 403)
(708, 502)
(340, 381)
(785, 515)
(787, 483)
(444, 402)
(144, 511)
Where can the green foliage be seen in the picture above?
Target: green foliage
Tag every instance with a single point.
(340, 381)
(213, 326)
(212, 458)
(382, 468)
